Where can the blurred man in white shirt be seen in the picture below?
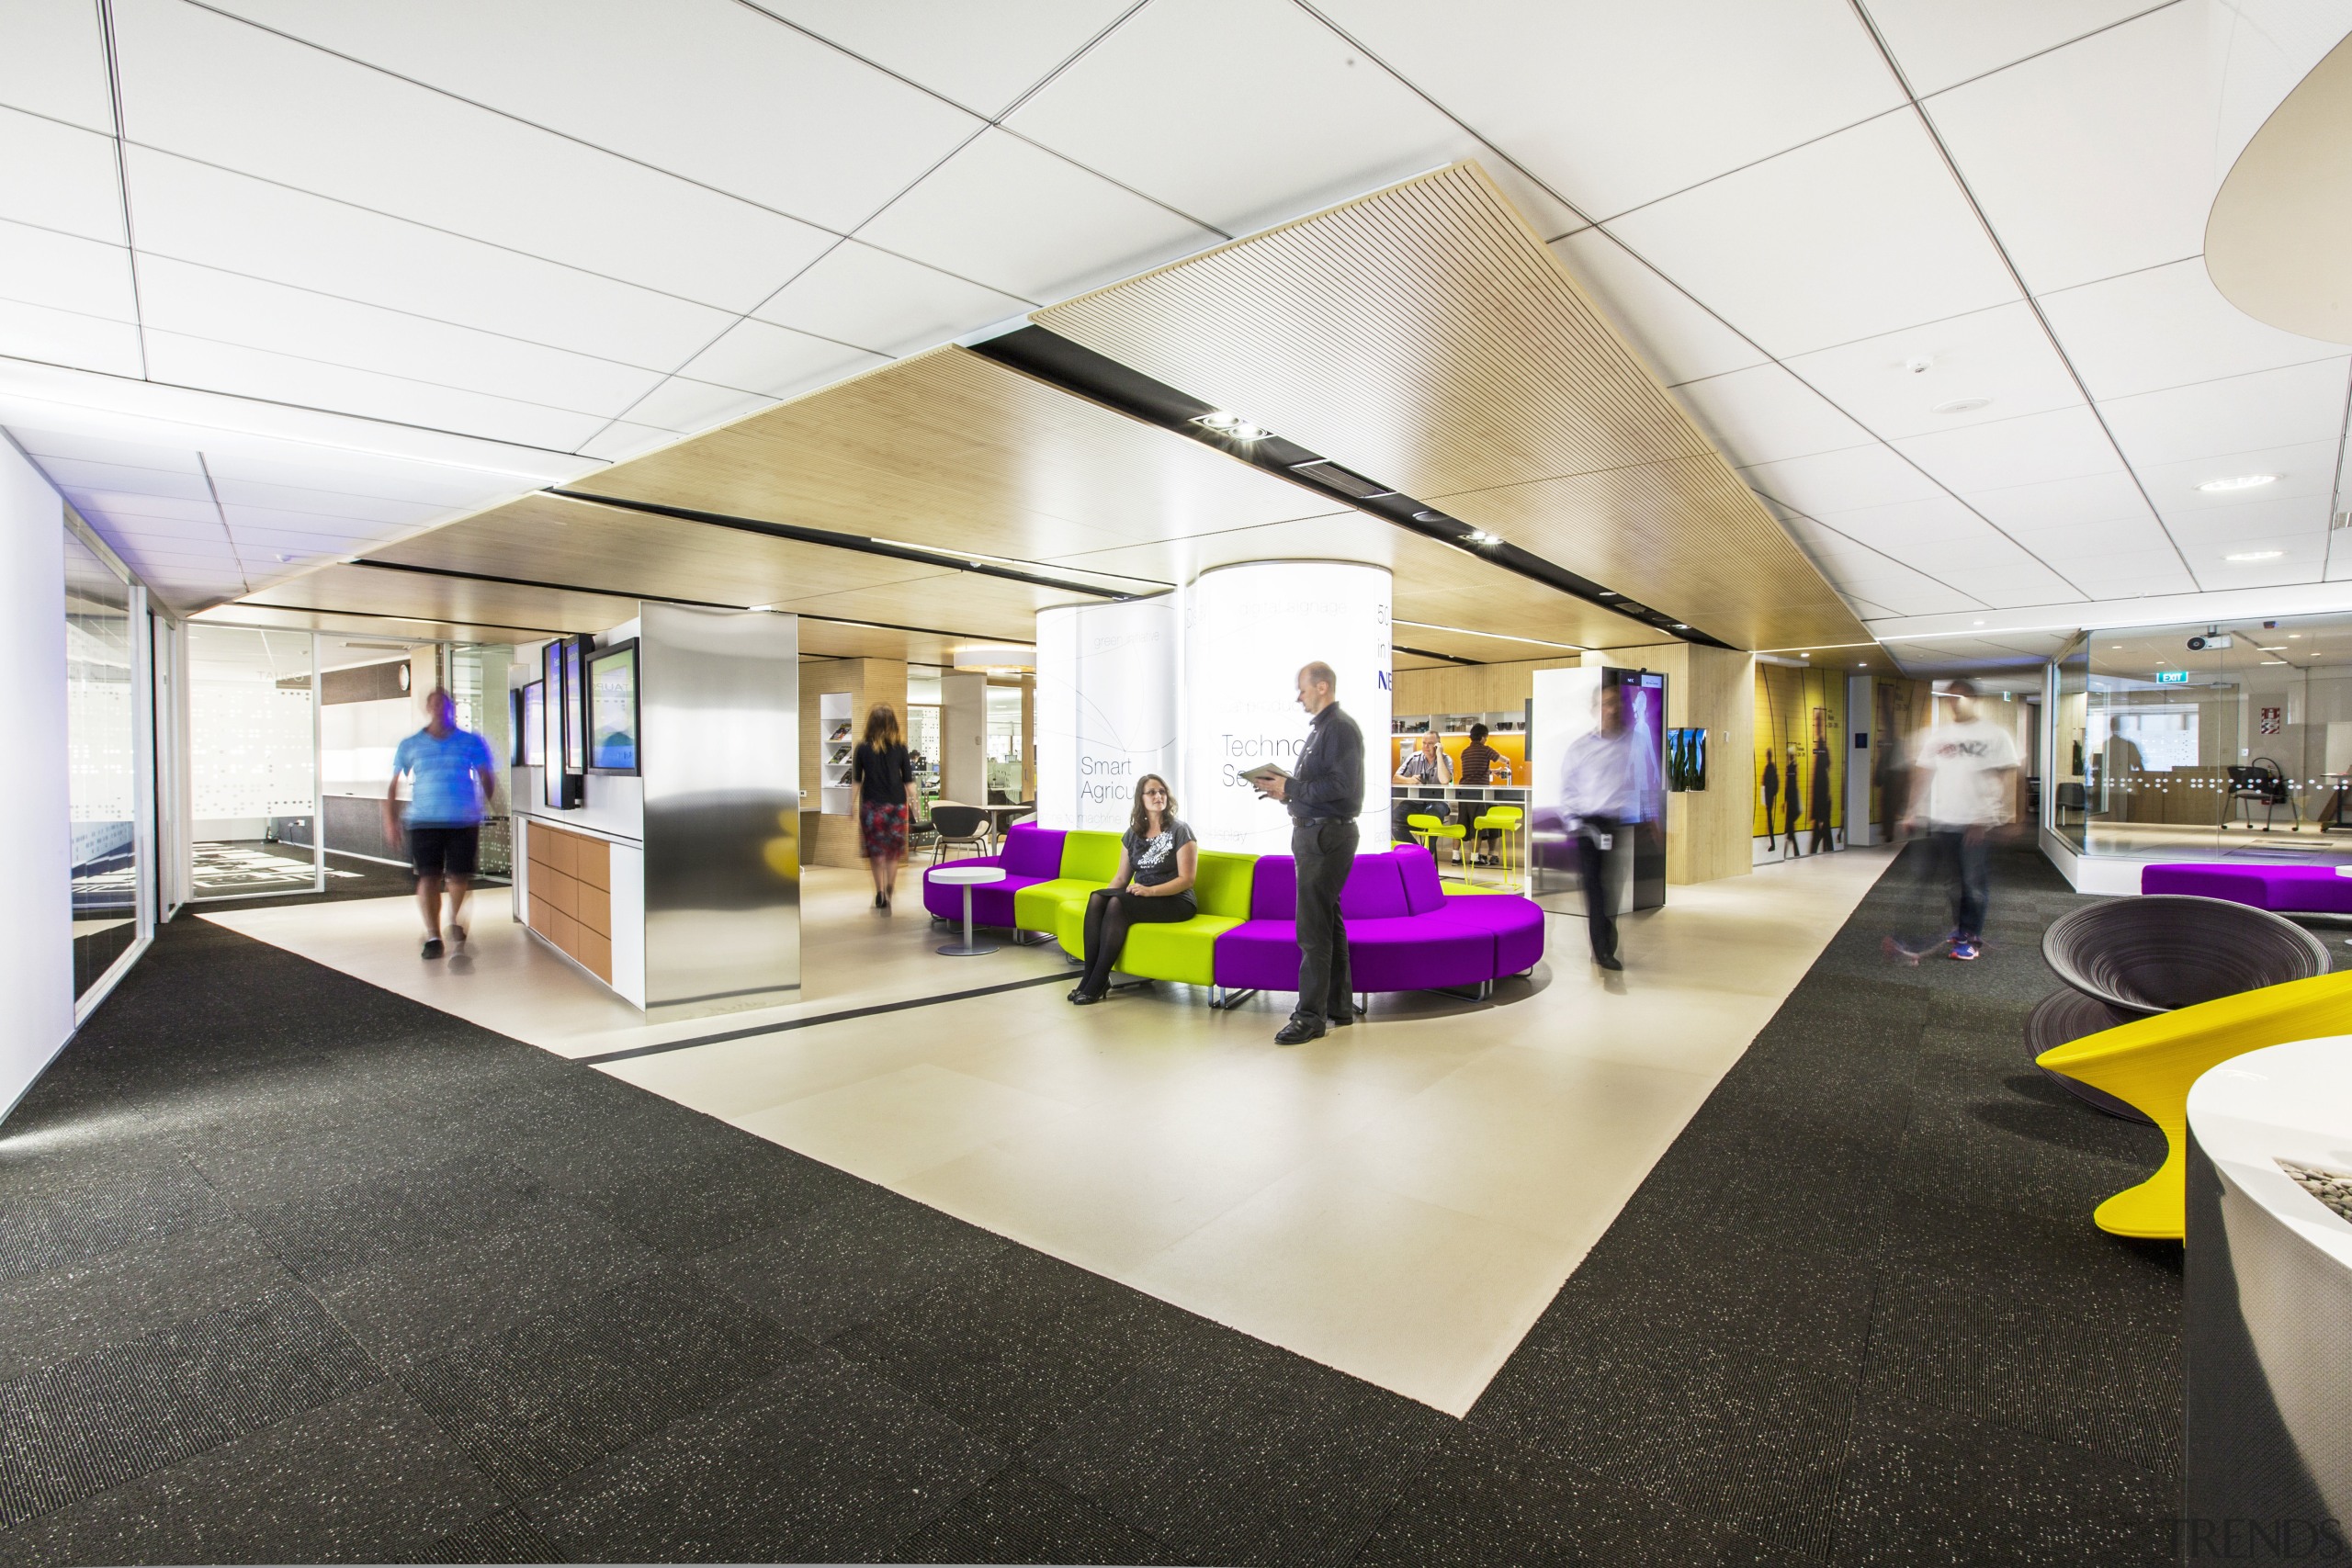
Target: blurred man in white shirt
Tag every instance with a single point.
(1607, 783)
(1961, 789)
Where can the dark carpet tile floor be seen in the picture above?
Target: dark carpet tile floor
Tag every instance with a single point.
(293, 1270)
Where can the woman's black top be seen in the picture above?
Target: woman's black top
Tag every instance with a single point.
(1153, 860)
(881, 774)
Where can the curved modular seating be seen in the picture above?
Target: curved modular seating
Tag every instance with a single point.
(2150, 1063)
(2154, 954)
(2065, 1015)
(2286, 888)
(1407, 930)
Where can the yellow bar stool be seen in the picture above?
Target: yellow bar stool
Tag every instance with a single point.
(1426, 828)
(1504, 821)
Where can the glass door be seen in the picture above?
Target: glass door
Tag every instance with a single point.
(252, 749)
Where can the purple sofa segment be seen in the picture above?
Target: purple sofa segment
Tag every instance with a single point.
(1404, 933)
(1517, 925)
(2283, 889)
(1031, 854)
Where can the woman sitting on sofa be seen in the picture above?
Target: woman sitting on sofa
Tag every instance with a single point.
(1158, 858)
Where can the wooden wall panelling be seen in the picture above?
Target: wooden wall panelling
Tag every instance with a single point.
(1711, 689)
(1471, 688)
(832, 840)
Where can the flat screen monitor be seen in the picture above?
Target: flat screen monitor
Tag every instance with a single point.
(612, 708)
(575, 703)
(531, 728)
(559, 786)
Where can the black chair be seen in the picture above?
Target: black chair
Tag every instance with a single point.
(2127, 958)
(966, 826)
(2071, 798)
(2261, 783)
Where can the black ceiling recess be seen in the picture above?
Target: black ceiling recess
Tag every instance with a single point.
(1075, 368)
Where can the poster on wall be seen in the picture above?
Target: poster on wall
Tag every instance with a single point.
(1105, 709)
(612, 709)
(1247, 629)
(1800, 747)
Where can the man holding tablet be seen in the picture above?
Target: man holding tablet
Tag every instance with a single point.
(1324, 795)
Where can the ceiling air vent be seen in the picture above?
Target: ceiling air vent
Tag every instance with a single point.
(1347, 481)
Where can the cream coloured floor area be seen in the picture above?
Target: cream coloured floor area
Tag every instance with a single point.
(1399, 1201)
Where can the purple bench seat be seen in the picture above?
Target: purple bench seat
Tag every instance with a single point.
(1404, 934)
(1031, 854)
(2285, 887)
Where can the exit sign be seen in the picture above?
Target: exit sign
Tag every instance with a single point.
(2172, 677)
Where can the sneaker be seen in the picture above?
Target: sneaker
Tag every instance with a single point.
(1965, 950)
(432, 947)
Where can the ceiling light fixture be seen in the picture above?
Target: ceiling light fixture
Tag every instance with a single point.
(1961, 405)
(1681, 626)
(1232, 425)
(2274, 661)
(1481, 537)
(2256, 555)
(2242, 482)
(1505, 636)
(761, 609)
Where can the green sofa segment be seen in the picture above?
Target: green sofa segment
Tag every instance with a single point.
(1186, 951)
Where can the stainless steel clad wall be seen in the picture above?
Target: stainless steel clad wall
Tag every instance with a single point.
(720, 714)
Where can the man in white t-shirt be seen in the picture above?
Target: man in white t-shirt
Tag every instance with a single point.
(1962, 786)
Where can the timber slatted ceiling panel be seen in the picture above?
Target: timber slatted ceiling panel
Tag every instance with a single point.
(946, 448)
(1424, 336)
(448, 600)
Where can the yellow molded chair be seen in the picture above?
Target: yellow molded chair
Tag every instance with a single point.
(2150, 1063)
(1426, 826)
(1504, 821)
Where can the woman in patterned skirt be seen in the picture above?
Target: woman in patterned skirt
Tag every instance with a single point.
(881, 770)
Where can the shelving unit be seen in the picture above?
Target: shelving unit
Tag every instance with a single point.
(834, 724)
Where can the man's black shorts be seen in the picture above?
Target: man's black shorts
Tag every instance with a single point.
(443, 851)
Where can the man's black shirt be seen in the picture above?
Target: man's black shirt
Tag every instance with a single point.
(1327, 783)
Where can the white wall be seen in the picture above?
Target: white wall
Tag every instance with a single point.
(36, 897)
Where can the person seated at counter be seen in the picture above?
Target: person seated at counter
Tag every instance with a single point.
(1158, 859)
(1427, 769)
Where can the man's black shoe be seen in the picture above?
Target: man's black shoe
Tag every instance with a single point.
(1299, 1030)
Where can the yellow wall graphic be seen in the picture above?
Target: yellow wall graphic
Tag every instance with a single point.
(1798, 773)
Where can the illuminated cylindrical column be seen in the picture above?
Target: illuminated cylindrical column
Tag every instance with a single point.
(1248, 628)
(1106, 708)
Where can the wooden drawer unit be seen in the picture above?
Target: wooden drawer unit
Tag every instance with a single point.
(570, 896)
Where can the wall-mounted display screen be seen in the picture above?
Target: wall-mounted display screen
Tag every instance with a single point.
(575, 730)
(559, 786)
(612, 709)
(531, 724)
(1686, 758)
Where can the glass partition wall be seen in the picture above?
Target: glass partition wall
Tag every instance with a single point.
(2240, 746)
(253, 762)
(103, 696)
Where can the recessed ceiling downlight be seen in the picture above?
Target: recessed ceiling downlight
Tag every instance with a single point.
(1232, 424)
(2241, 481)
(2256, 555)
(1961, 405)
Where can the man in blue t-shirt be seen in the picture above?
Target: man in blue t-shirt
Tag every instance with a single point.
(455, 778)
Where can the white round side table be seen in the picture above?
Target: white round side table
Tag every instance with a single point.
(968, 877)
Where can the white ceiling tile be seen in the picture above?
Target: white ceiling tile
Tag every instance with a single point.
(55, 64)
(1938, 43)
(707, 89)
(2133, 108)
(194, 509)
(982, 56)
(2085, 498)
(367, 509)
(73, 473)
(256, 373)
(2062, 443)
(67, 337)
(2166, 327)
(43, 443)
(38, 267)
(777, 362)
(213, 88)
(621, 440)
(1840, 482)
(1009, 214)
(194, 212)
(683, 406)
(879, 301)
(2238, 413)
(1677, 334)
(1763, 415)
(1241, 113)
(2306, 470)
(1614, 105)
(2001, 354)
(277, 529)
(361, 474)
(1850, 237)
(2134, 541)
(55, 176)
(226, 307)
